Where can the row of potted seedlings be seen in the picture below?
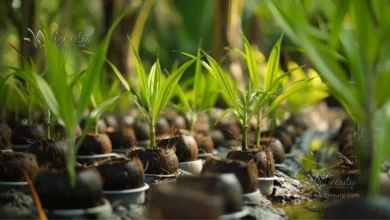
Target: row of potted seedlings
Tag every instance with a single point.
(117, 165)
(119, 179)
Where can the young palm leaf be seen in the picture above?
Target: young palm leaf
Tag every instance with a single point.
(154, 93)
(59, 97)
(203, 94)
(253, 100)
(364, 43)
(238, 102)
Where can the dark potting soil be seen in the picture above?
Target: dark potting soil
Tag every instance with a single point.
(15, 205)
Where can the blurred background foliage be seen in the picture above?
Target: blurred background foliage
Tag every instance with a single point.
(157, 28)
(160, 27)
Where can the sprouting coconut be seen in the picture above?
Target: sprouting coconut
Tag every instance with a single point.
(151, 100)
(250, 102)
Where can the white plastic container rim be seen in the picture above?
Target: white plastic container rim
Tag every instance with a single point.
(106, 207)
(280, 165)
(139, 189)
(98, 156)
(252, 198)
(268, 178)
(16, 183)
(255, 193)
(160, 175)
(205, 155)
(191, 162)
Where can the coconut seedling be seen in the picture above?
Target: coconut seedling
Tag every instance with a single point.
(26, 76)
(196, 99)
(120, 177)
(81, 189)
(25, 131)
(95, 142)
(13, 165)
(122, 136)
(250, 102)
(356, 38)
(151, 99)
(271, 81)
(58, 94)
